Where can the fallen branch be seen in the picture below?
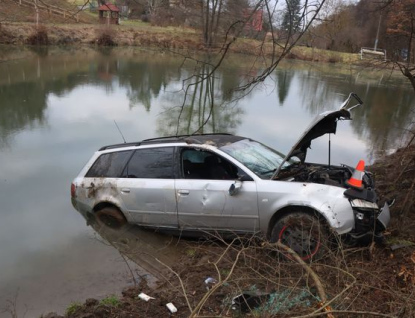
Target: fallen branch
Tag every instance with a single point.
(363, 313)
(181, 283)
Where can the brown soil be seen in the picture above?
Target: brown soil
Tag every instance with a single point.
(380, 281)
(395, 178)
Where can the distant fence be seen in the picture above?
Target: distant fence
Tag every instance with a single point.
(51, 9)
(372, 53)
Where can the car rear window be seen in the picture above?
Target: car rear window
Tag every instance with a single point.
(109, 165)
(153, 163)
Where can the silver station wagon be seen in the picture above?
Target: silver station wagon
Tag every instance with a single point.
(225, 183)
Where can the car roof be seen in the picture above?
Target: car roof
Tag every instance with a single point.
(217, 140)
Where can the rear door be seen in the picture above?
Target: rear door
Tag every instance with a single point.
(147, 187)
(203, 198)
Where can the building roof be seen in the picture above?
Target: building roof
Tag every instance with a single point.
(108, 7)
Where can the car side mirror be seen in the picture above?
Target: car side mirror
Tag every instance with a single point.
(235, 187)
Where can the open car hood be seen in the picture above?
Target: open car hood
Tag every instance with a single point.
(325, 123)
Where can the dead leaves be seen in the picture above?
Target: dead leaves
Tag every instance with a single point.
(407, 275)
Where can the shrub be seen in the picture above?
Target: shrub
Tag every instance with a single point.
(106, 38)
(38, 37)
(72, 308)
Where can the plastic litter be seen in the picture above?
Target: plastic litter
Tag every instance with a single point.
(145, 297)
(210, 281)
(171, 307)
(246, 302)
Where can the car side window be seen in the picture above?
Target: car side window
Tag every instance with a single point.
(152, 163)
(109, 165)
(200, 164)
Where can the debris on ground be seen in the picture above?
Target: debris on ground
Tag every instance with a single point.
(252, 281)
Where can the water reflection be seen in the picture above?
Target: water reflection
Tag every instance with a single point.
(284, 78)
(204, 105)
(153, 252)
(388, 102)
(21, 105)
(150, 78)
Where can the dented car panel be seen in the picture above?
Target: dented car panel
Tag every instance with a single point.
(327, 200)
(206, 204)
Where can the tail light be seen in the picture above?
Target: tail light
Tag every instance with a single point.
(73, 190)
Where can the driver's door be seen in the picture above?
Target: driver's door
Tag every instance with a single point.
(203, 197)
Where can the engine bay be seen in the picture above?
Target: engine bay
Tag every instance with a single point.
(316, 173)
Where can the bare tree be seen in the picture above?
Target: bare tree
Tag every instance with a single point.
(401, 30)
(270, 51)
(210, 12)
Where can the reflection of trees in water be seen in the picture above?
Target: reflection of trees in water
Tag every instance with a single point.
(23, 104)
(144, 80)
(386, 110)
(284, 78)
(25, 86)
(383, 121)
(24, 89)
(20, 106)
(323, 91)
(207, 106)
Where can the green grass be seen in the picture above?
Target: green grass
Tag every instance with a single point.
(72, 308)
(135, 23)
(191, 253)
(111, 300)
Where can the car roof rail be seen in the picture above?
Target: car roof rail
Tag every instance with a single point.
(126, 144)
(185, 138)
(180, 138)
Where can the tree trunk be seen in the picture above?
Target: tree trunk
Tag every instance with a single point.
(37, 13)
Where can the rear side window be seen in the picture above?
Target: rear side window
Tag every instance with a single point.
(153, 163)
(109, 165)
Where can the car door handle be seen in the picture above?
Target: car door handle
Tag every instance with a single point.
(183, 192)
(125, 190)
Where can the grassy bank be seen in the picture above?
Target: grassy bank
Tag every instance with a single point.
(145, 35)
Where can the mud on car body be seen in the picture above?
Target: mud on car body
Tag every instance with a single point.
(232, 184)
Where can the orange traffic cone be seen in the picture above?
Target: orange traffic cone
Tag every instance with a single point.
(356, 180)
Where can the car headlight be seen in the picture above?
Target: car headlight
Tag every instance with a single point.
(362, 204)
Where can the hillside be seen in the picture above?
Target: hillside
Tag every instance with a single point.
(50, 11)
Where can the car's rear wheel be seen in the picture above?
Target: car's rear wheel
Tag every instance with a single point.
(303, 232)
(111, 217)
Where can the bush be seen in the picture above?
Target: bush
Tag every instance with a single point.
(106, 38)
(38, 37)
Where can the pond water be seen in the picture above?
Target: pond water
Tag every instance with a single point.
(59, 106)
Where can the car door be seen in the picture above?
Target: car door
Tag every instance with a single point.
(147, 187)
(203, 198)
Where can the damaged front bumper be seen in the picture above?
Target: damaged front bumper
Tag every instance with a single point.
(370, 221)
(384, 216)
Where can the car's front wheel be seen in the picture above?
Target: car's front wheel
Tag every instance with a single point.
(111, 217)
(303, 232)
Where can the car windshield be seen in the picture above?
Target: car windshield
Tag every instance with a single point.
(260, 159)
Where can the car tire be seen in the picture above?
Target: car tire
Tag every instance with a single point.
(110, 217)
(303, 232)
